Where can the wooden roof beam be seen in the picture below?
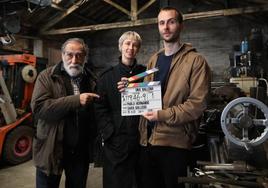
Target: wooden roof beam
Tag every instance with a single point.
(134, 10)
(198, 15)
(101, 26)
(119, 7)
(133, 14)
(260, 1)
(62, 15)
(76, 15)
(144, 7)
(225, 12)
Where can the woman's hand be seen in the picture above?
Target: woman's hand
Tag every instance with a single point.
(121, 85)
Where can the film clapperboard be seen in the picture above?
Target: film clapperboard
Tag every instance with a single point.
(141, 97)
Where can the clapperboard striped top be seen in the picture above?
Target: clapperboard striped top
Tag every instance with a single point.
(143, 74)
(143, 84)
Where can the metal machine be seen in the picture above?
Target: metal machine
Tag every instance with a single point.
(232, 146)
(17, 76)
(10, 18)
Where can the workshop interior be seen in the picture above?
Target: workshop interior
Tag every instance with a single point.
(231, 149)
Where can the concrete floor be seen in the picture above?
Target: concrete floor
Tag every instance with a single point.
(23, 176)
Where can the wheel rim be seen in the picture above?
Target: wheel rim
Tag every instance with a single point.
(23, 146)
(246, 121)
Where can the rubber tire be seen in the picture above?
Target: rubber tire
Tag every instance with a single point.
(9, 155)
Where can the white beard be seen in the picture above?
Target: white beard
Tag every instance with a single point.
(73, 70)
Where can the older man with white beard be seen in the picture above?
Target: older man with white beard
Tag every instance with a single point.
(63, 112)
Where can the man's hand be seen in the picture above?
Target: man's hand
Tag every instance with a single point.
(151, 116)
(86, 98)
(121, 85)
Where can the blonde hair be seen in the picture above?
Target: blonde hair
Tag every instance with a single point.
(129, 34)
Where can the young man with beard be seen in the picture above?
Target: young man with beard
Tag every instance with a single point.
(167, 135)
(63, 111)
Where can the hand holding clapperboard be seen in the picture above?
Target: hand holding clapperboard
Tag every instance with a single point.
(138, 98)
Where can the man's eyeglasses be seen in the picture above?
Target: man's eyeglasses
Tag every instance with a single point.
(70, 55)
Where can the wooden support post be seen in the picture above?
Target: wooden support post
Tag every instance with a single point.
(134, 9)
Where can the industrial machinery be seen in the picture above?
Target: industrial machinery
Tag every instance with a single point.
(232, 146)
(232, 149)
(17, 76)
(10, 19)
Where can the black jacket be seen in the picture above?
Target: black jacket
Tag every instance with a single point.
(120, 133)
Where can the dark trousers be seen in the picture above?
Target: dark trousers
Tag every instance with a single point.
(161, 166)
(76, 171)
(122, 175)
(44, 181)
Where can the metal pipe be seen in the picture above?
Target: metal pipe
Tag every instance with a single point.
(213, 150)
(205, 180)
(265, 81)
(231, 167)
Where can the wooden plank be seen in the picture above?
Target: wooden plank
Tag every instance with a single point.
(225, 12)
(101, 26)
(118, 7)
(199, 15)
(260, 1)
(144, 7)
(62, 15)
(76, 15)
(134, 8)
